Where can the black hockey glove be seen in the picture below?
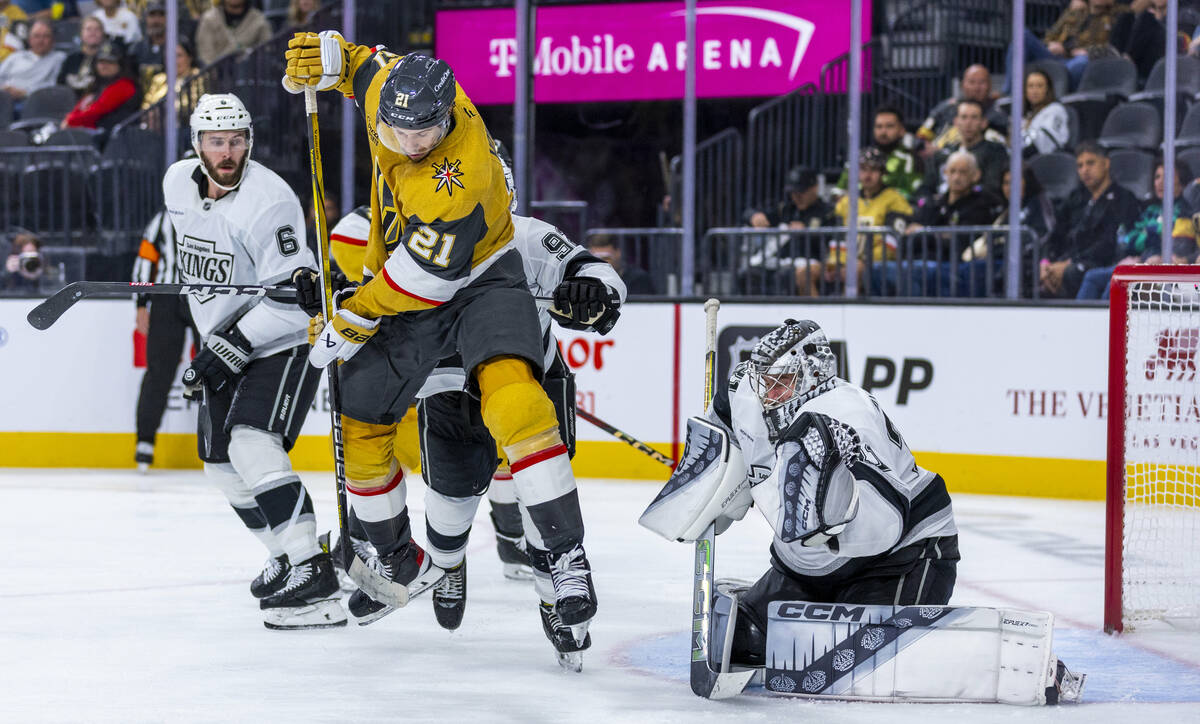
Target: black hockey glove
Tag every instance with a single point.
(585, 303)
(308, 288)
(223, 358)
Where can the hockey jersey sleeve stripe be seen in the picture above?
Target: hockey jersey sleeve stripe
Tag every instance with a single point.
(147, 251)
(348, 239)
(392, 283)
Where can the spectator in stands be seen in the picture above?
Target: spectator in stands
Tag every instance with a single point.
(1086, 226)
(1082, 31)
(992, 157)
(802, 209)
(902, 169)
(25, 71)
(147, 53)
(9, 14)
(1046, 128)
(185, 71)
(938, 130)
(1142, 36)
(1142, 243)
(24, 267)
(113, 95)
(300, 13)
(119, 21)
(878, 205)
(48, 9)
(78, 71)
(230, 27)
(637, 280)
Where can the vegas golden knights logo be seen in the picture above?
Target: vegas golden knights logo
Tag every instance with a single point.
(402, 100)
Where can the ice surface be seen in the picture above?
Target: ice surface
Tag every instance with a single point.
(124, 598)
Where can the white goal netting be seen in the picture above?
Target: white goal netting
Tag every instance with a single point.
(1161, 521)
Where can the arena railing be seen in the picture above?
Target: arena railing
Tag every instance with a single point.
(570, 216)
(955, 261)
(657, 251)
(720, 180)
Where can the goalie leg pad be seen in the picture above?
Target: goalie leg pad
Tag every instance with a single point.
(709, 485)
(909, 653)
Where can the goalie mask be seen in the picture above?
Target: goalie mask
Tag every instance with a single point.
(788, 367)
(221, 112)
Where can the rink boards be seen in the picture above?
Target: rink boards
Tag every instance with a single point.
(1002, 400)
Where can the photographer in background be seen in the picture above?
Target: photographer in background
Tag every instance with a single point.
(24, 266)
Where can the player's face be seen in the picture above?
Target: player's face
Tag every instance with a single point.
(224, 155)
(778, 389)
(406, 142)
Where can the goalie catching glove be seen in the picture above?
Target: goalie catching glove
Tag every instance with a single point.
(224, 357)
(587, 304)
(818, 492)
(317, 60)
(342, 337)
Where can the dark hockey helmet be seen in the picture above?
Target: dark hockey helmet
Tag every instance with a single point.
(418, 93)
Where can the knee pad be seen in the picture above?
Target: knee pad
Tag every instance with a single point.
(515, 407)
(258, 456)
(227, 480)
(369, 452)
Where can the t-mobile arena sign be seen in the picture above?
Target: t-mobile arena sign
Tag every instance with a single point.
(636, 51)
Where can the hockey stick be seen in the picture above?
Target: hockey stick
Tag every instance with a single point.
(371, 582)
(626, 438)
(705, 681)
(47, 313)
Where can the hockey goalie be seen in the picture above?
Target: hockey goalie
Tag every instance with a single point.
(864, 549)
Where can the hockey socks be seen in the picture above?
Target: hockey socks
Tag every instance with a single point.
(382, 511)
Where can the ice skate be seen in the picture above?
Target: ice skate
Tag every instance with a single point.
(362, 549)
(309, 598)
(514, 557)
(450, 597)
(575, 596)
(409, 566)
(272, 578)
(568, 648)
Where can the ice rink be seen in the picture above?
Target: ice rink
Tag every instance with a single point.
(125, 599)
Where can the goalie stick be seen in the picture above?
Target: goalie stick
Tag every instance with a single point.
(44, 315)
(371, 582)
(705, 681)
(625, 438)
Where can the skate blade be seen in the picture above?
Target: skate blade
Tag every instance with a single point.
(321, 614)
(372, 618)
(572, 661)
(518, 572)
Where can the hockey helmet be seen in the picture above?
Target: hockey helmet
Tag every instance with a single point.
(221, 112)
(418, 94)
(789, 366)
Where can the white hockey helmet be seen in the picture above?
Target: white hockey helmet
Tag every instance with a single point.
(789, 366)
(221, 112)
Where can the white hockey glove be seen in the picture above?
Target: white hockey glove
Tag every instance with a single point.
(342, 336)
(224, 357)
(317, 60)
(818, 492)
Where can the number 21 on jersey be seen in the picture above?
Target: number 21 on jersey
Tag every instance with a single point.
(428, 244)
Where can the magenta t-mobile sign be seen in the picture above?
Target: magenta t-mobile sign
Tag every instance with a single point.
(635, 51)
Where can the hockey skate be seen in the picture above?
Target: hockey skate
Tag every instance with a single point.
(575, 596)
(1068, 686)
(309, 598)
(410, 566)
(272, 578)
(514, 557)
(562, 637)
(362, 549)
(144, 456)
(450, 597)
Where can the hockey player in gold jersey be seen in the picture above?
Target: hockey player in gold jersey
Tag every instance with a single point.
(443, 280)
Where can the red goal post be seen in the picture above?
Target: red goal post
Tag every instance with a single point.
(1152, 545)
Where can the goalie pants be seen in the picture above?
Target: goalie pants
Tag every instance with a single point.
(169, 321)
(921, 573)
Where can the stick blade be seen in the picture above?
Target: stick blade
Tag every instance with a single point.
(44, 315)
(713, 685)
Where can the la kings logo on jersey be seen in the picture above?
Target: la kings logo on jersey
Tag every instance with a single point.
(199, 261)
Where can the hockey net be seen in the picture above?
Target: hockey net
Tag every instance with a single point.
(1152, 560)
